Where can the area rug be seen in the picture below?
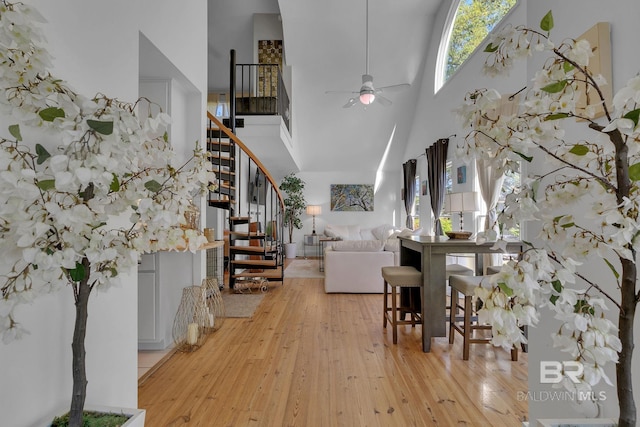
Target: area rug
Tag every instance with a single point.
(241, 305)
(304, 268)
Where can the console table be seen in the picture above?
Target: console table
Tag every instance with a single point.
(428, 254)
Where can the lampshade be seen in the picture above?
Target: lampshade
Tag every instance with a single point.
(461, 202)
(314, 210)
(367, 97)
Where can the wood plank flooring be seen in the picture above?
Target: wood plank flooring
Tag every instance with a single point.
(308, 358)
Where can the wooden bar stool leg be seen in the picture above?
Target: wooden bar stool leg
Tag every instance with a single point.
(467, 328)
(386, 305)
(394, 311)
(453, 312)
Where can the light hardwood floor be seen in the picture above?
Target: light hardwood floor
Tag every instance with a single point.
(308, 358)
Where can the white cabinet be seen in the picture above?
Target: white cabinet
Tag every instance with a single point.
(148, 304)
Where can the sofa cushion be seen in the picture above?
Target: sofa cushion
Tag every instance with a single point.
(392, 245)
(344, 232)
(358, 246)
(382, 232)
(366, 234)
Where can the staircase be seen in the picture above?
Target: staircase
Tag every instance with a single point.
(247, 190)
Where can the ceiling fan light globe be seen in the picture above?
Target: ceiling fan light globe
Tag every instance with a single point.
(367, 98)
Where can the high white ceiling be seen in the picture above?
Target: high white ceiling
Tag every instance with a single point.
(325, 44)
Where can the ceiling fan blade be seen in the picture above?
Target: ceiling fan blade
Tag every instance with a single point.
(382, 100)
(392, 87)
(350, 103)
(340, 91)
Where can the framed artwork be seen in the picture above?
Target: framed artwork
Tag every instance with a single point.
(352, 197)
(425, 188)
(599, 37)
(462, 174)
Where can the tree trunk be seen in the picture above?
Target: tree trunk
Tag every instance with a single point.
(624, 381)
(79, 354)
(625, 333)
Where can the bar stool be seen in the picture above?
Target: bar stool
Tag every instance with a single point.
(466, 286)
(399, 277)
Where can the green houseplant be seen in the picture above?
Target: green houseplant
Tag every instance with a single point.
(585, 197)
(294, 206)
(86, 187)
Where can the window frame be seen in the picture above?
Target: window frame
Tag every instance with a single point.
(440, 79)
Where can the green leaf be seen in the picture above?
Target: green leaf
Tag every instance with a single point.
(567, 66)
(491, 48)
(634, 172)
(42, 153)
(153, 185)
(14, 130)
(556, 116)
(51, 113)
(579, 150)
(527, 158)
(613, 269)
(633, 115)
(507, 290)
(47, 184)
(555, 87)
(115, 184)
(165, 136)
(77, 274)
(554, 298)
(547, 22)
(105, 128)
(557, 286)
(568, 225)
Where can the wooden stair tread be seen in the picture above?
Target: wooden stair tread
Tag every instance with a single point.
(255, 262)
(247, 234)
(269, 274)
(256, 249)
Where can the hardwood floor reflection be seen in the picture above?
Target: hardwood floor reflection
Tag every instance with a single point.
(308, 358)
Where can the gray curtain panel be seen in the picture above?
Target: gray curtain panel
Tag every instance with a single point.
(409, 169)
(437, 173)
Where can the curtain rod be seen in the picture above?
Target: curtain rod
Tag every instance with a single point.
(453, 135)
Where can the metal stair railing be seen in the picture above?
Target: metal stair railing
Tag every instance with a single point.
(248, 191)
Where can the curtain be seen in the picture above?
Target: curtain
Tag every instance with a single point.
(437, 174)
(409, 192)
(490, 178)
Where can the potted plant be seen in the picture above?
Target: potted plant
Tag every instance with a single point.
(294, 206)
(585, 197)
(88, 188)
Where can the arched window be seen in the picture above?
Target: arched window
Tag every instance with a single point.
(467, 25)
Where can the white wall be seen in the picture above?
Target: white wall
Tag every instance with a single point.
(386, 208)
(434, 117)
(95, 48)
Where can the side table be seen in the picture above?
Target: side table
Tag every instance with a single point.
(310, 240)
(322, 241)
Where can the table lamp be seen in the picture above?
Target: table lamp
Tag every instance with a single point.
(461, 202)
(314, 210)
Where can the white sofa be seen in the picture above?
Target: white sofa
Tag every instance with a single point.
(353, 264)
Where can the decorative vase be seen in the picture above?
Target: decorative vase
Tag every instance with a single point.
(290, 250)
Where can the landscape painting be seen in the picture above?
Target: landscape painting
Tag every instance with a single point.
(352, 197)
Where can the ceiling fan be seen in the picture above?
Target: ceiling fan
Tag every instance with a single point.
(368, 94)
